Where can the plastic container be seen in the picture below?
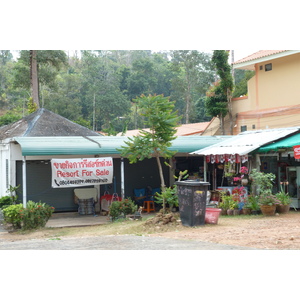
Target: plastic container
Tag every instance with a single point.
(192, 196)
(212, 215)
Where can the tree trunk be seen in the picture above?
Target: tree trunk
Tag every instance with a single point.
(188, 101)
(222, 125)
(34, 79)
(229, 98)
(162, 180)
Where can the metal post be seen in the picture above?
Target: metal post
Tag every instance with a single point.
(122, 178)
(205, 168)
(24, 182)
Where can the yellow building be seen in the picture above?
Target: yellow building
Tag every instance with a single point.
(273, 99)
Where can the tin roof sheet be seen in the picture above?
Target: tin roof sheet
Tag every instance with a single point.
(246, 142)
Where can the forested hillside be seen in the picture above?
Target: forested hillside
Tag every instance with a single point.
(96, 88)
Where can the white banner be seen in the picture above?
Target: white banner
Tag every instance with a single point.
(81, 171)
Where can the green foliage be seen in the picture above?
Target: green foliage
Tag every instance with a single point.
(241, 87)
(268, 199)
(105, 82)
(9, 118)
(226, 202)
(35, 215)
(12, 215)
(192, 75)
(182, 175)
(252, 202)
(12, 190)
(160, 117)
(283, 198)
(218, 98)
(122, 208)
(162, 120)
(32, 107)
(5, 201)
(169, 196)
(263, 181)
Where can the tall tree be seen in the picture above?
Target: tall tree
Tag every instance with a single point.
(101, 96)
(162, 120)
(38, 66)
(34, 85)
(192, 76)
(218, 101)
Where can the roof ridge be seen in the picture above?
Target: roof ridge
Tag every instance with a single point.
(32, 123)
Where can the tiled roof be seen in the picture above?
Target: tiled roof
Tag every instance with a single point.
(44, 122)
(259, 54)
(182, 130)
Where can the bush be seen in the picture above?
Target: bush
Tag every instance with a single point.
(5, 201)
(35, 215)
(170, 197)
(124, 207)
(12, 215)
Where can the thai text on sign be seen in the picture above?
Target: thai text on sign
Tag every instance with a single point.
(81, 171)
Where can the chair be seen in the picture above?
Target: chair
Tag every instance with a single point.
(139, 196)
(148, 206)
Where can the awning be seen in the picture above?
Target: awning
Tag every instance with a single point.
(246, 142)
(102, 145)
(285, 143)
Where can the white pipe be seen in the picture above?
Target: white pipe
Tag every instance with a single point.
(122, 178)
(24, 182)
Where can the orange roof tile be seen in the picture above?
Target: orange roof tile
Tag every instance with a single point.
(182, 130)
(259, 54)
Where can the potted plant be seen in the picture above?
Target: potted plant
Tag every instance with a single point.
(244, 175)
(234, 205)
(247, 208)
(284, 202)
(263, 182)
(252, 203)
(224, 203)
(267, 204)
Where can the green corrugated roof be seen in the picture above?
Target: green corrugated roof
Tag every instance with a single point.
(102, 145)
(288, 142)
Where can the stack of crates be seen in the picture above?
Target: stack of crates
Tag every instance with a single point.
(86, 206)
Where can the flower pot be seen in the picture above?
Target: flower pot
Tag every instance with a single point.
(229, 212)
(268, 210)
(247, 211)
(283, 209)
(212, 215)
(236, 212)
(244, 181)
(224, 212)
(255, 212)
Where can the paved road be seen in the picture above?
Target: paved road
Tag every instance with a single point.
(125, 242)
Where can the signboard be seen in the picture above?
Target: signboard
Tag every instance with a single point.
(81, 171)
(296, 152)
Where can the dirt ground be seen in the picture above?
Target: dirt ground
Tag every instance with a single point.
(278, 232)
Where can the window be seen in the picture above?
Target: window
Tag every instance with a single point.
(268, 67)
(253, 126)
(243, 128)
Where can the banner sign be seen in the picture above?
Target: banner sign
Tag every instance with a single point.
(296, 152)
(81, 171)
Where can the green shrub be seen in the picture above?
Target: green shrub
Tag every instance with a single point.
(124, 207)
(170, 197)
(12, 215)
(5, 201)
(35, 215)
